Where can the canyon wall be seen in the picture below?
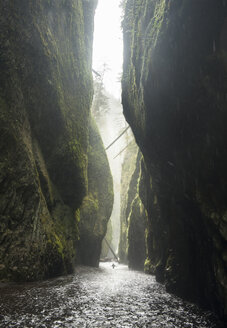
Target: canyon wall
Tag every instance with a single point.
(137, 220)
(174, 98)
(98, 204)
(46, 92)
(133, 215)
(128, 168)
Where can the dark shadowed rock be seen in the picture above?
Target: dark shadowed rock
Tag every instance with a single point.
(136, 235)
(174, 98)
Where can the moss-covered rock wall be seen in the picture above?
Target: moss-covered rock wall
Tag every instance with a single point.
(174, 97)
(137, 219)
(97, 205)
(45, 97)
(128, 168)
(133, 215)
(106, 253)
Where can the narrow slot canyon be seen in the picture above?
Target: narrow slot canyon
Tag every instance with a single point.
(113, 185)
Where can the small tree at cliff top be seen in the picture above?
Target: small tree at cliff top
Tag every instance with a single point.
(122, 4)
(100, 101)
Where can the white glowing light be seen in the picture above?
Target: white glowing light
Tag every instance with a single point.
(108, 46)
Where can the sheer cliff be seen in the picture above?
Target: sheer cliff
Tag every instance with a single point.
(137, 220)
(98, 204)
(128, 168)
(133, 216)
(45, 97)
(174, 98)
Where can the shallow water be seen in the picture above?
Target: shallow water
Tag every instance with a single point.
(103, 297)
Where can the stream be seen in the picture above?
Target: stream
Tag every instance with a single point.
(102, 297)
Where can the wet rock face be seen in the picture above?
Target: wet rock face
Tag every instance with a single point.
(97, 206)
(136, 221)
(45, 97)
(128, 193)
(136, 235)
(133, 216)
(174, 98)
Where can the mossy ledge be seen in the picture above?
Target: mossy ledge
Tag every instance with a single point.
(174, 98)
(45, 98)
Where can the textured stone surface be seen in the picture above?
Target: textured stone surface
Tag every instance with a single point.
(97, 205)
(174, 98)
(133, 215)
(128, 168)
(45, 97)
(136, 235)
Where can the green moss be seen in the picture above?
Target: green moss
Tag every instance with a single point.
(45, 98)
(148, 266)
(108, 237)
(128, 191)
(97, 205)
(156, 23)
